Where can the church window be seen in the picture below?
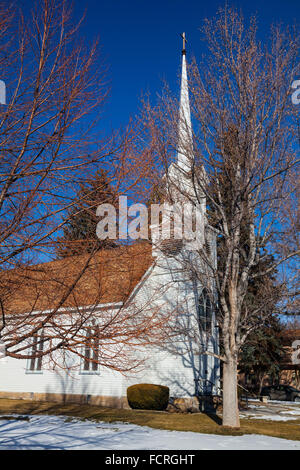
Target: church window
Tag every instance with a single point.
(91, 351)
(35, 362)
(204, 311)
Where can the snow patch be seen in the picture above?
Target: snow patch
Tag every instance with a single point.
(56, 432)
(271, 417)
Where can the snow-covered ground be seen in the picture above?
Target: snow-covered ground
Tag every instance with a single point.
(279, 402)
(273, 411)
(271, 417)
(55, 432)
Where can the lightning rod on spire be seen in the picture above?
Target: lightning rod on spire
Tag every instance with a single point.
(184, 41)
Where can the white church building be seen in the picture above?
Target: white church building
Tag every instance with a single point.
(154, 275)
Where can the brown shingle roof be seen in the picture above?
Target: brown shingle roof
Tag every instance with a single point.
(109, 276)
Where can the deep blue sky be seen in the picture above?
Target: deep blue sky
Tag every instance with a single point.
(142, 46)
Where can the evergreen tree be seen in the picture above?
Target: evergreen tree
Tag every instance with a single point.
(79, 231)
(262, 353)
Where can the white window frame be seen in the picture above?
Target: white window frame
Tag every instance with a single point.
(93, 366)
(205, 303)
(35, 364)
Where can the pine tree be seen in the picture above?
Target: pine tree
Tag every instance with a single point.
(79, 231)
(262, 353)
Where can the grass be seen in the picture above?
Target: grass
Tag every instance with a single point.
(196, 422)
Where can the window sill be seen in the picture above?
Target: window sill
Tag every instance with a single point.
(37, 372)
(87, 372)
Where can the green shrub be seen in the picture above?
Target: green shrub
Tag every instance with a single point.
(148, 397)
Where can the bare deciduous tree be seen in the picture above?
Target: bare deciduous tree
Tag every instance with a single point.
(245, 139)
(56, 86)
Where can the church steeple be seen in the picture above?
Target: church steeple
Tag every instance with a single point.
(180, 186)
(185, 139)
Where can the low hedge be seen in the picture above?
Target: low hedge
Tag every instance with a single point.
(148, 397)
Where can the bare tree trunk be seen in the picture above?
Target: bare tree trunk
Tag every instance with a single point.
(261, 379)
(230, 398)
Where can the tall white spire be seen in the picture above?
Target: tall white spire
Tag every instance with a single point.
(185, 139)
(180, 184)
